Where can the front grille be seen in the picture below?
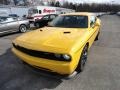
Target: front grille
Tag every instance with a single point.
(40, 54)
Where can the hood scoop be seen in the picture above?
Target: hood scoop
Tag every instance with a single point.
(66, 32)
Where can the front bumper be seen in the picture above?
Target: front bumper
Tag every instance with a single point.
(60, 67)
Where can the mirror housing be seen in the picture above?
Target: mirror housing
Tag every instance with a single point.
(97, 22)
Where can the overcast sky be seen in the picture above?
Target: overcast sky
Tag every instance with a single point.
(90, 1)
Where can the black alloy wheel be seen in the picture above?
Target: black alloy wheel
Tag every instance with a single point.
(83, 59)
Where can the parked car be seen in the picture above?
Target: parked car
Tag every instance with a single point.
(44, 20)
(62, 46)
(13, 16)
(8, 25)
(112, 13)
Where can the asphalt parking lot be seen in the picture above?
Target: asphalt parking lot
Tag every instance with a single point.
(102, 71)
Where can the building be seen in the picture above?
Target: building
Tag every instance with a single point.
(28, 2)
(4, 2)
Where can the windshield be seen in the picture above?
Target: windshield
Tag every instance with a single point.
(70, 21)
(32, 11)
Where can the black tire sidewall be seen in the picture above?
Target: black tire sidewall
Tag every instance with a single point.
(37, 25)
(79, 67)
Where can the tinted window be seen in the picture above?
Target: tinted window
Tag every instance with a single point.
(70, 21)
(32, 11)
(39, 11)
(13, 15)
(2, 19)
(35, 11)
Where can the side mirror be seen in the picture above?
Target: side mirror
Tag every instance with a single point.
(97, 22)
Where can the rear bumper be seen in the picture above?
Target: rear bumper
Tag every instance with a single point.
(45, 64)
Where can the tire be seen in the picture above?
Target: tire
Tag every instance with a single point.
(97, 37)
(37, 25)
(23, 28)
(83, 59)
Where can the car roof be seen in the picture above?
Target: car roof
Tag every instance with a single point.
(80, 13)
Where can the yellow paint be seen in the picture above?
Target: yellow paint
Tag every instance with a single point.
(52, 39)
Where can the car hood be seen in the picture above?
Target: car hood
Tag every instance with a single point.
(51, 39)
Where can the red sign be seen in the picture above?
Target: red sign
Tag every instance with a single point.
(48, 11)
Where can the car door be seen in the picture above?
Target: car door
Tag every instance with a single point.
(45, 20)
(12, 24)
(93, 29)
(3, 25)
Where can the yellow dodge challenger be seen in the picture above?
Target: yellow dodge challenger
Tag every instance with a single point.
(62, 46)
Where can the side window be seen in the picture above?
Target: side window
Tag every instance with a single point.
(35, 11)
(39, 11)
(92, 20)
(10, 20)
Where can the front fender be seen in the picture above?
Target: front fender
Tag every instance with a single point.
(76, 57)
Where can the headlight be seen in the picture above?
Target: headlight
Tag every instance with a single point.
(66, 57)
(63, 57)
